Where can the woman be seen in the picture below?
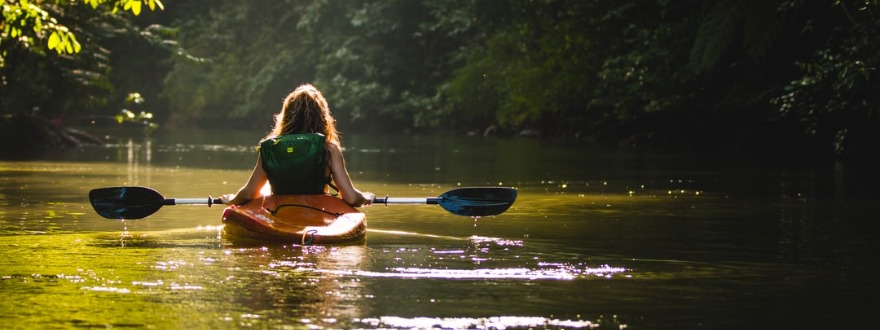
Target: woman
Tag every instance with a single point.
(302, 154)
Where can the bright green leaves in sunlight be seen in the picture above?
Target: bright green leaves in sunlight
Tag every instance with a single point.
(143, 118)
(134, 6)
(24, 22)
(27, 21)
(63, 41)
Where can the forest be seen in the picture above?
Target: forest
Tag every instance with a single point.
(775, 76)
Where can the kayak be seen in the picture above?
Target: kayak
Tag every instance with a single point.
(301, 219)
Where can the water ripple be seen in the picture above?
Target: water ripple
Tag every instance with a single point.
(562, 273)
(495, 322)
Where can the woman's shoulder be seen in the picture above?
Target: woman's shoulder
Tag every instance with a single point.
(333, 146)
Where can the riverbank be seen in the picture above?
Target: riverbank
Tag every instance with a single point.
(29, 135)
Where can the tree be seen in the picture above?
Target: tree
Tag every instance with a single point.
(833, 100)
(378, 62)
(51, 57)
(30, 23)
(726, 74)
(247, 70)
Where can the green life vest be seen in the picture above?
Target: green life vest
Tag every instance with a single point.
(295, 163)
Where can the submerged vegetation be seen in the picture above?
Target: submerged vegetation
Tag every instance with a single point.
(780, 75)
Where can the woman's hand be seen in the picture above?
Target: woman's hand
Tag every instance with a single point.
(227, 198)
(368, 198)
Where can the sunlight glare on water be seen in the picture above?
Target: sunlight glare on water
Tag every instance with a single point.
(501, 322)
(486, 249)
(563, 273)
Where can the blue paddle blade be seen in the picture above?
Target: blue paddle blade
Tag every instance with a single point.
(478, 201)
(125, 202)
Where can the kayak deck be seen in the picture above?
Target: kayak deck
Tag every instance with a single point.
(301, 219)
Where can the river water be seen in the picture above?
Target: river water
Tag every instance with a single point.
(598, 238)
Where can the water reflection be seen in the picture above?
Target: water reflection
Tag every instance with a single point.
(486, 258)
(139, 155)
(198, 237)
(560, 272)
(278, 280)
(596, 239)
(498, 322)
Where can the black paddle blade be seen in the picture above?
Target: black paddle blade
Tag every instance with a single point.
(125, 202)
(478, 201)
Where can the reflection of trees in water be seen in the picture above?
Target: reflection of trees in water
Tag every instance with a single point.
(298, 284)
(135, 154)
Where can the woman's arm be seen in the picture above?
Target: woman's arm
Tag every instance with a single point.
(251, 189)
(347, 191)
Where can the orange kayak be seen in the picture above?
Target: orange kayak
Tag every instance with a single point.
(300, 219)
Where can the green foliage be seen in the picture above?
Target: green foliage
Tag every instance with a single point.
(547, 65)
(128, 5)
(377, 62)
(635, 72)
(141, 118)
(44, 66)
(386, 65)
(77, 81)
(834, 99)
(25, 22)
(753, 24)
(247, 70)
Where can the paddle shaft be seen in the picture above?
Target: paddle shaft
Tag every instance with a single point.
(193, 201)
(407, 200)
(386, 201)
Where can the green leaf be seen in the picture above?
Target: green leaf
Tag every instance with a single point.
(68, 47)
(54, 40)
(136, 7)
(76, 45)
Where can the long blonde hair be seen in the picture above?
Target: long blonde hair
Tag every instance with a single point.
(305, 111)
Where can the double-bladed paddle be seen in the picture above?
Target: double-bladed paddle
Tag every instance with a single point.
(471, 202)
(140, 202)
(136, 202)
